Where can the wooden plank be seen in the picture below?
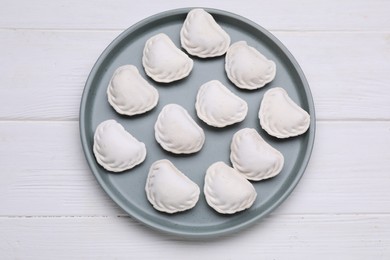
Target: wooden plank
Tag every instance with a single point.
(274, 15)
(46, 72)
(41, 158)
(348, 171)
(277, 237)
(347, 72)
(52, 207)
(45, 167)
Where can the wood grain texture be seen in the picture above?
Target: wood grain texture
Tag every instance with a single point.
(46, 72)
(51, 207)
(277, 237)
(273, 15)
(348, 172)
(347, 72)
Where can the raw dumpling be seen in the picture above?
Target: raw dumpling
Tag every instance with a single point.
(226, 190)
(280, 116)
(116, 149)
(163, 61)
(247, 68)
(218, 106)
(129, 93)
(201, 35)
(177, 132)
(253, 157)
(169, 190)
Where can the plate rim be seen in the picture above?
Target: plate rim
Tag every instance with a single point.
(156, 226)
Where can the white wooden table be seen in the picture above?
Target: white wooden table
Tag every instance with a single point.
(51, 207)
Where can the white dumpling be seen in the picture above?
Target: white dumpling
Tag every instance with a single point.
(201, 35)
(253, 157)
(247, 68)
(177, 132)
(169, 190)
(226, 190)
(280, 116)
(163, 61)
(129, 93)
(217, 106)
(116, 149)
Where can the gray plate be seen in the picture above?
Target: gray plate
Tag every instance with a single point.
(127, 188)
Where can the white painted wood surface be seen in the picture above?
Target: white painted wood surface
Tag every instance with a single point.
(51, 207)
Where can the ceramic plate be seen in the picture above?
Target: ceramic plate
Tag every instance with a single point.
(127, 188)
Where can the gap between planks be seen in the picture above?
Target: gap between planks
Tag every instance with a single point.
(357, 214)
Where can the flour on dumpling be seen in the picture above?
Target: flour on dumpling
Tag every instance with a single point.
(202, 36)
(129, 93)
(177, 132)
(247, 68)
(168, 189)
(280, 116)
(226, 190)
(163, 61)
(217, 106)
(253, 157)
(116, 149)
